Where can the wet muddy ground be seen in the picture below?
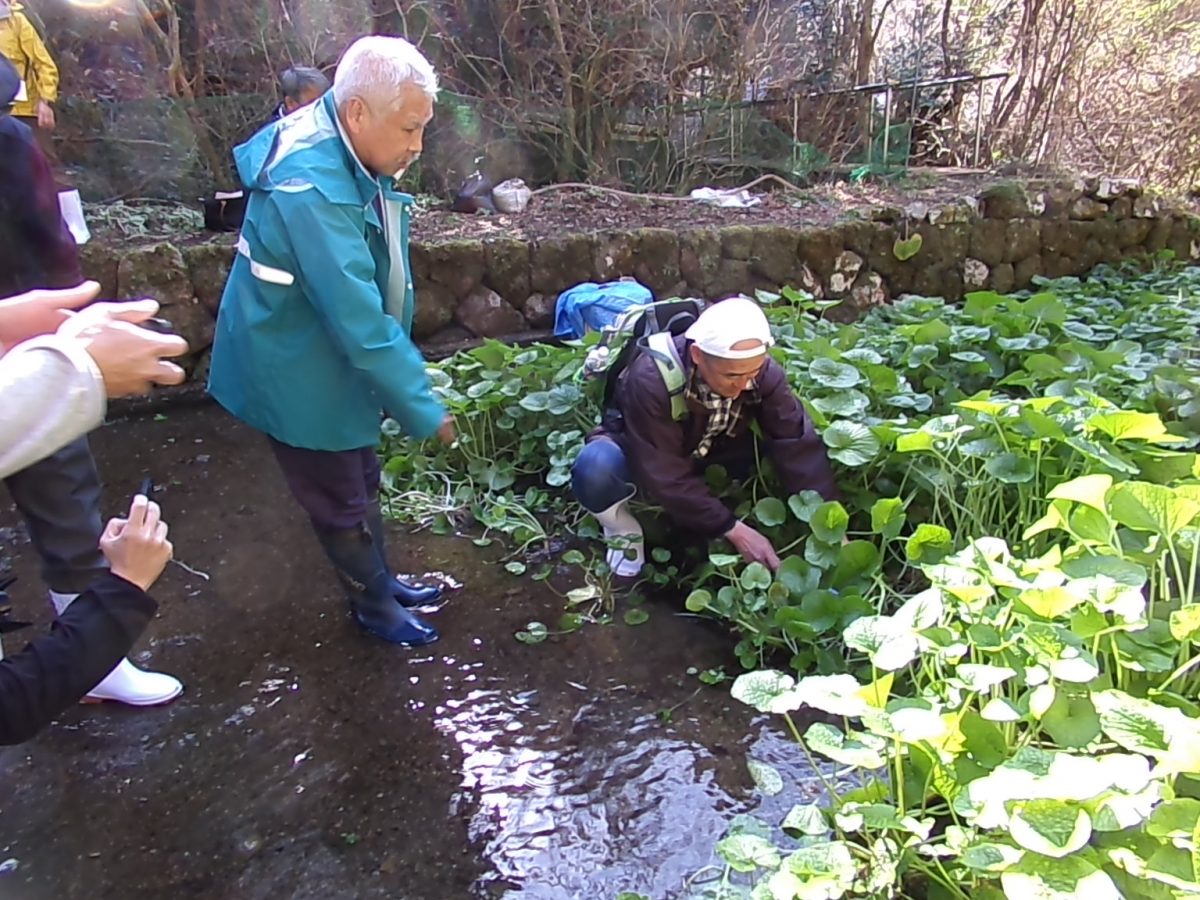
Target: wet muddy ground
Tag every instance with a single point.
(308, 760)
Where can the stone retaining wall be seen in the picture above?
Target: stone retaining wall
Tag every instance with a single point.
(501, 288)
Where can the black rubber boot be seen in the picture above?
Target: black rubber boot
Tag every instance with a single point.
(406, 594)
(366, 580)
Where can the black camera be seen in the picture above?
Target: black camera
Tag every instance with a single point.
(161, 326)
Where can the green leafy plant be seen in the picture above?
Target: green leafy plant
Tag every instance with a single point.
(521, 421)
(997, 624)
(959, 417)
(836, 576)
(1045, 743)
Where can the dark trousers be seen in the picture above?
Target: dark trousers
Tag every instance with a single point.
(600, 475)
(59, 498)
(335, 488)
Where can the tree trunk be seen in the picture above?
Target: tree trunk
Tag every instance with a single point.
(566, 161)
(866, 43)
(180, 87)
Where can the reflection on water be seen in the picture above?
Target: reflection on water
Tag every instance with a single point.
(585, 795)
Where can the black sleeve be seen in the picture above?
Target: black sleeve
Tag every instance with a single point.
(86, 642)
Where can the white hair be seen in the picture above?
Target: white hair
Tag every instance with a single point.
(374, 68)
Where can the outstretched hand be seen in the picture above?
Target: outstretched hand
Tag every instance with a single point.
(753, 546)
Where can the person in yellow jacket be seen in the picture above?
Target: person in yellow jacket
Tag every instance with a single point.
(20, 42)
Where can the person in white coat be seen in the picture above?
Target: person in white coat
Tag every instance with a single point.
(58, 367)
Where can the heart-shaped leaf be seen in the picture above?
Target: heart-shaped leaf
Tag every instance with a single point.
(855, 560)
(833, 374)
(636, 616)
(1010, 468)
(928, 544)
(807, 820)
(747, 852)
(798, 576)
(862, 750)
(1050, 827)
(770, 511)
(804, 504)
(766, 777)
(755, 576)
(829, 522)
(534, 633)
(887, 516)
(907, 249)
(850, 443)
(1045, 878)
(766, 690)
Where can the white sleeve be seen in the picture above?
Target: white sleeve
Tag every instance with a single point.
(51, 392)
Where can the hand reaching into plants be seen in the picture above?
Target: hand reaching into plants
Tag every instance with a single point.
(753, 546)
(446, 433)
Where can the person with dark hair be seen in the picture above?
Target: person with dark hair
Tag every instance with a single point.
(37, 250)
(58, 496)
(300, 86)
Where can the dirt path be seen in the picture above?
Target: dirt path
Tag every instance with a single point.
(306, 760)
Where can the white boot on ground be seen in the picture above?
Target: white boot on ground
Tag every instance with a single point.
(628, 555)
(127, 683)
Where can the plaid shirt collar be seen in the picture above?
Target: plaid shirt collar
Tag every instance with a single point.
(724, 414)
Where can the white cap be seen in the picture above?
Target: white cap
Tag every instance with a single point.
(730, 322)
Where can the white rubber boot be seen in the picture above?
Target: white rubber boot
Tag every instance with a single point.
(622, 529)
(71, 207)
(127, 683)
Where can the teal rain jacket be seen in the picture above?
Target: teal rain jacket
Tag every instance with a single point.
(312, 337)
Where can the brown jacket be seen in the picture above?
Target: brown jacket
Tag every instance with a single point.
(659, 449)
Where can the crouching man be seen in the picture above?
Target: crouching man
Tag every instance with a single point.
(671, 427)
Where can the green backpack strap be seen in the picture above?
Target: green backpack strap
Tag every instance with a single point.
(661, 346)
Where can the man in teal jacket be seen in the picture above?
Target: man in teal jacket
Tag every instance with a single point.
(312, 337)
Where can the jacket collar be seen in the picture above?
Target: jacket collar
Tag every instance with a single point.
(367, 183)
(369, 186)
